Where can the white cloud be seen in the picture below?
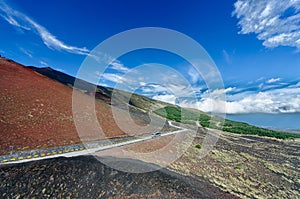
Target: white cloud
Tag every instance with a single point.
(13, 22)
(26, 52)
(194, 75)
(282, 100)
(273, 80)
(44, 64)
(222, 91)
(276, 22)
(153, 88)
(116, 65)
(117, 78)
(274, 101)
(165, 98)
(142, 83)
(20, 20)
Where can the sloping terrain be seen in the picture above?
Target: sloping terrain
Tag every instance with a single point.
(85, 177)
(138, 102)
(247, 166)
(192, 116)
(36, 112)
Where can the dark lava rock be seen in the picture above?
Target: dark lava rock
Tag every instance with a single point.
(86, 177)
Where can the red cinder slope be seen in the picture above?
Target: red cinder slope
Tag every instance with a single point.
(36, 111)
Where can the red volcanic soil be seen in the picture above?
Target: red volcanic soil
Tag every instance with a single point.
(36, 111)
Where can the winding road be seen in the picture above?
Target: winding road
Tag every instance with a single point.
(78, 150)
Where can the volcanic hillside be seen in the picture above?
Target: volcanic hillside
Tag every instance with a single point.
(85, 177)
(36, 112)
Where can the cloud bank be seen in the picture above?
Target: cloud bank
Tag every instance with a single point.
(25, 23)
(280, 99)
(275, 22)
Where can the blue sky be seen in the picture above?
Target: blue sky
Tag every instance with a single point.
(255, 44)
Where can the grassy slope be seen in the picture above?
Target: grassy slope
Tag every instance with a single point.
(187, 116)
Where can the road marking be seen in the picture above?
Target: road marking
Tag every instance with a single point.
(83, 150)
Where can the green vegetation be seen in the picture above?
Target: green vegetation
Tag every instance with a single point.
(244, 128)
(180, 114)
(198, 146)
(188, 116)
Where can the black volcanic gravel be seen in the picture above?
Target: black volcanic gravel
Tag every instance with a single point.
(85, 177)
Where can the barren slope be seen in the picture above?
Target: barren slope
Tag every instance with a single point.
(37, 111)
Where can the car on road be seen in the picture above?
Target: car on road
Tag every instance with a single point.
(156, 134)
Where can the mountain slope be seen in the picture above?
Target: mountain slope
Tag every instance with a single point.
(171, 112)
(37, 111)
(102, 93)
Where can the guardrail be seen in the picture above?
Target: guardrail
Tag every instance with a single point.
(37, 153)
(16, 156)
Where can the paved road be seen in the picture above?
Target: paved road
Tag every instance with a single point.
(80, 149)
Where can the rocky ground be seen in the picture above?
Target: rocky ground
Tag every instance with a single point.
(85, 177)
(238, 166)
(247, 166)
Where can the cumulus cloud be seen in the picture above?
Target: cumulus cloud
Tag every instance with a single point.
(23, 22)
(286, 100)
(113, 77)
(275, 22)
(280, 100)
(166, 98)
(117, 65)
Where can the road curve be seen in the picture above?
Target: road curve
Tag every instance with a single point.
(85, 151)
